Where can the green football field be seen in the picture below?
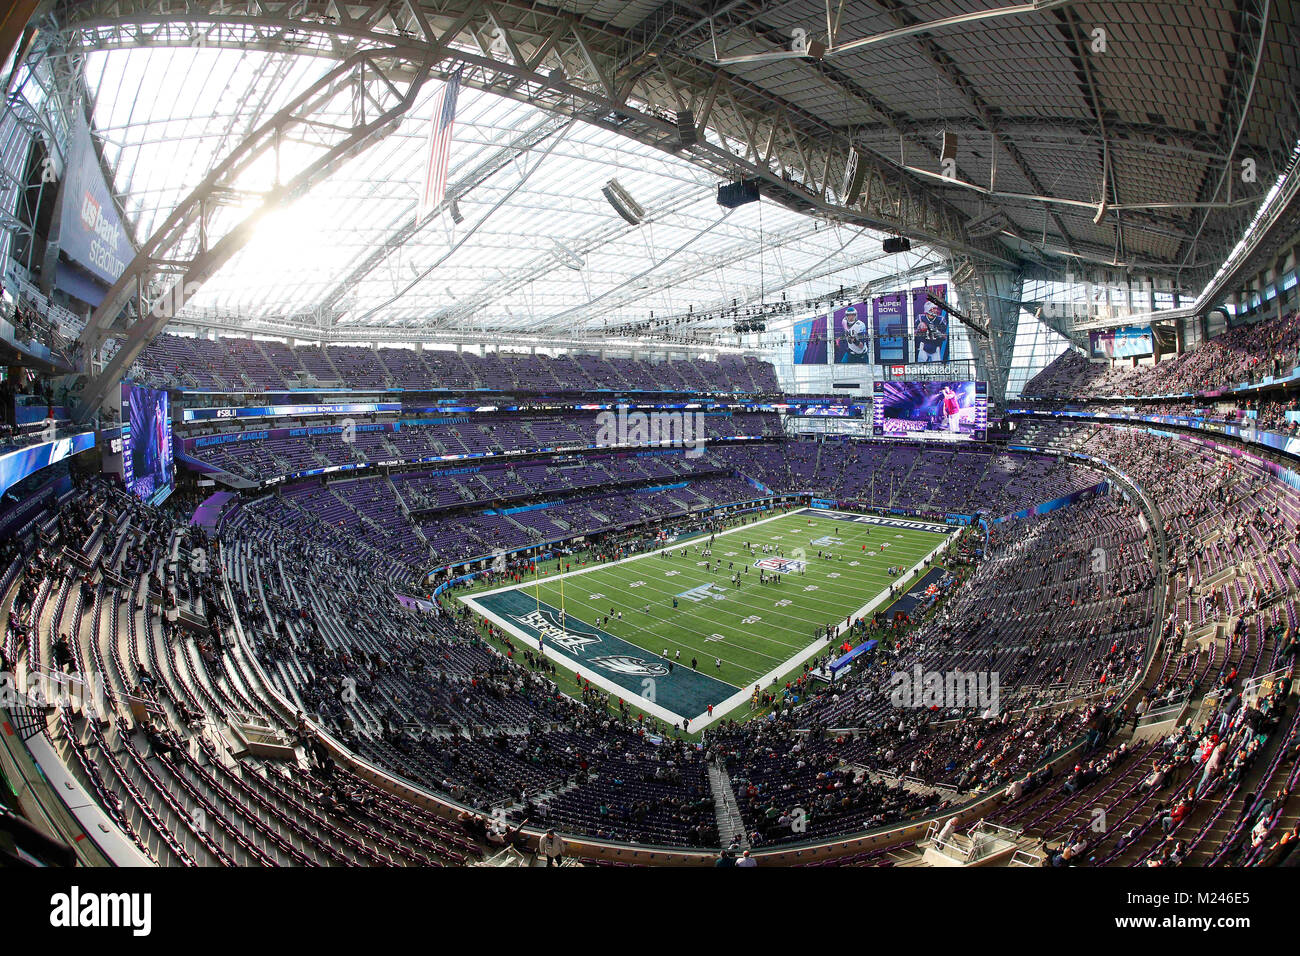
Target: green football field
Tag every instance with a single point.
(832, 565)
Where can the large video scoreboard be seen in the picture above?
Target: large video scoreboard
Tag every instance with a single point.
(147, 467)
(937, 411)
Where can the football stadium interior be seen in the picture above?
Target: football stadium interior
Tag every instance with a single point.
(620, 433)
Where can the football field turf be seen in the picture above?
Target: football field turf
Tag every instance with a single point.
(831, 564)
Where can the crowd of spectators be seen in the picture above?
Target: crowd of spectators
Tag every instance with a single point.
(427, 696)
(1243, 354)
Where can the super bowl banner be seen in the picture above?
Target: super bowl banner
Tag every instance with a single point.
(851, 340)
(810, 341)
(90, 232)
(930, 322)
(889, 319)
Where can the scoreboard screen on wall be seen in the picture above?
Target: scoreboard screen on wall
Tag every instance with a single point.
(146, 442)
(938, 411)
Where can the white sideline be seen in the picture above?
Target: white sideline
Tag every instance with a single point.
(725, 706)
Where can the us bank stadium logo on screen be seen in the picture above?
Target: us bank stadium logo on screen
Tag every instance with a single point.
(779, 565)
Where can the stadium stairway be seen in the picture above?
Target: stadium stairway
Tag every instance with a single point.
(731, 827)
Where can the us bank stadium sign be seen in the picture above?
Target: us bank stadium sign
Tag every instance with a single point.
(931, 371)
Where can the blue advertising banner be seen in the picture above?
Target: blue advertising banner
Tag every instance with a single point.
(17, 465)
(810, 341)
(275, 411)
(90, 231)
(1056, 504)
(832, 411)
(212, 440)
(844, 660)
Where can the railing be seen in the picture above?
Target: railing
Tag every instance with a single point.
(906, 779)
(29, 434)
(27, 721)
(1161, 714)
(1256, 687)
(943, 846)
(42, 687)
(1025, 858)
(984, 838)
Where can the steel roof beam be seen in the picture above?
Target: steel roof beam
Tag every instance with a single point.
(364, 75)
(640, 105)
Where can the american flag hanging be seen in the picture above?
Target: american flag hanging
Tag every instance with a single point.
(440, 126)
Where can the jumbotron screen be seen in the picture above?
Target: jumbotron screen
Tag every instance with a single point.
(146, 442)
(934, 411)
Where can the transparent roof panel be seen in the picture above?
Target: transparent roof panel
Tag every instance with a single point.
(538, 247)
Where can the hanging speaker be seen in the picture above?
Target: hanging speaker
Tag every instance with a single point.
(687, 135)
(949, 150)
(736, 194)
(623, 204)
(855, 174)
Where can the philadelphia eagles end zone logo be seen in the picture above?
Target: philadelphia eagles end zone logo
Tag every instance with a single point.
(625, 664)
